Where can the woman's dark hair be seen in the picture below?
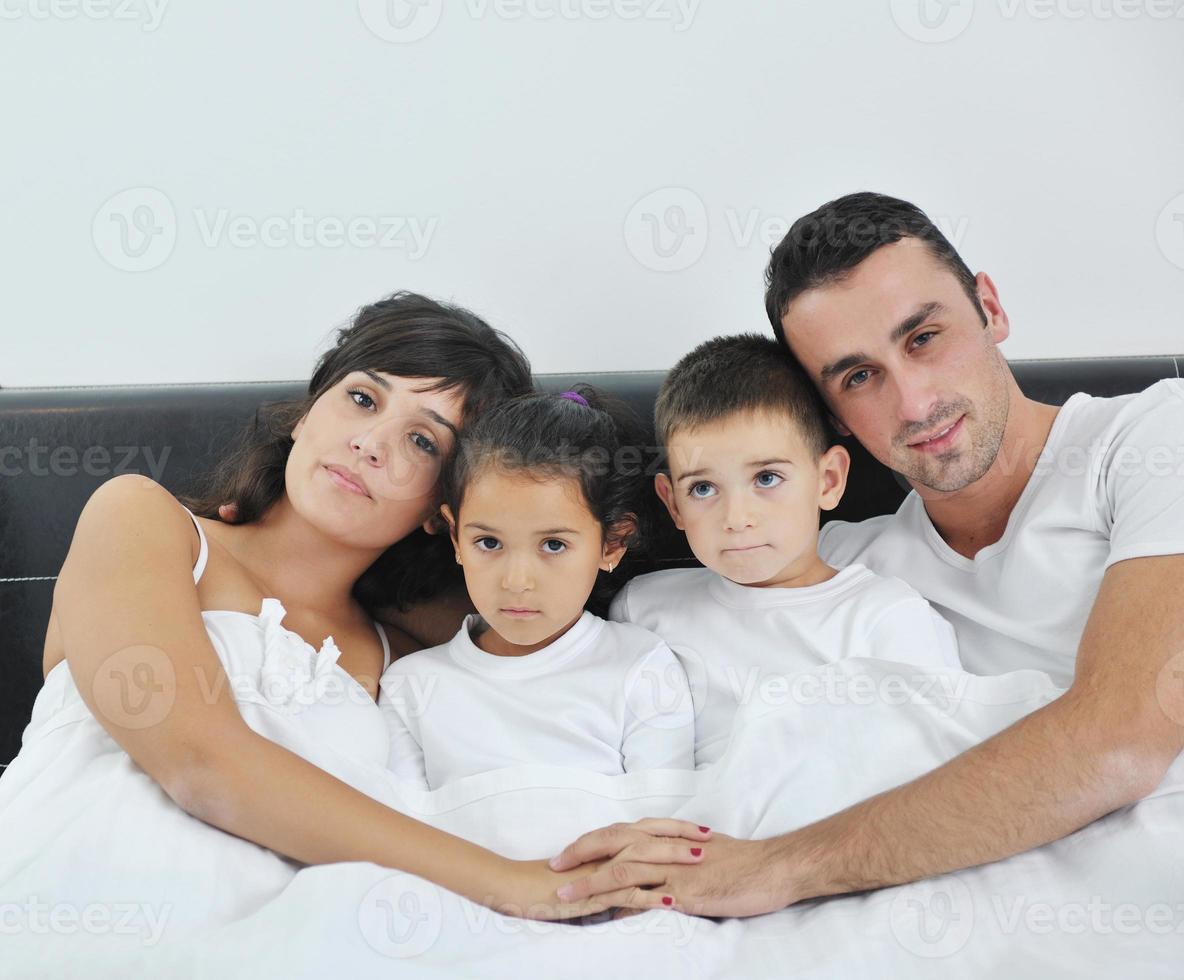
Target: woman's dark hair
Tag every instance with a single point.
(406, 335)
(822, 247)
(549, 436)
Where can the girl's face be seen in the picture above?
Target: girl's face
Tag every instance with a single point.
(530, 550)
(387, 437)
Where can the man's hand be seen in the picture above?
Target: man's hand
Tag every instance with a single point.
(1104, 744)
(731, 877)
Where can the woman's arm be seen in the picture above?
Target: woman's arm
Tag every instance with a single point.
(143, 663)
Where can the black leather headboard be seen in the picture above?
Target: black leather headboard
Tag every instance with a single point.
(58, 444)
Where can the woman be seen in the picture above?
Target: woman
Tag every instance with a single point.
(197, 669)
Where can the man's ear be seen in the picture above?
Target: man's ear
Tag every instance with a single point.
(833, 467)
(988, 298)
(665, 489)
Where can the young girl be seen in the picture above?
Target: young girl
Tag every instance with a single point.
(538, 505)
(209, 686)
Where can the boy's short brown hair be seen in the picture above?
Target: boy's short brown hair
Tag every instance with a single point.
(741, 373)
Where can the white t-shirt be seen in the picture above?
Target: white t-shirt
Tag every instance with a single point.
(609, 697)
(1108, 486)
(730, 637)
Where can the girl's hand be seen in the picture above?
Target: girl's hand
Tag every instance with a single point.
(632, 860)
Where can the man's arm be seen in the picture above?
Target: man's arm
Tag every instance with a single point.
(1106, 743)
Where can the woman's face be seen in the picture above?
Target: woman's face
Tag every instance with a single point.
(366, 459)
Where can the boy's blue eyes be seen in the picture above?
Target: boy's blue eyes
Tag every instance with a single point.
(765, 480)
(421, 441)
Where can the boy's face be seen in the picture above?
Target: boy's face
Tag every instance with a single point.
(530, 550)
(747, 490)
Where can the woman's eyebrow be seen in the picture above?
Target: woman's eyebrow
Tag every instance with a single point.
(381, 382)
(423, 409)
(438, 419)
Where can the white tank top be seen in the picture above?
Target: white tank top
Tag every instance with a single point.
(199, 568)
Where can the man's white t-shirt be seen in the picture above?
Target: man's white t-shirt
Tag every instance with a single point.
(730, 638)
(1108, 486)
(609, 697)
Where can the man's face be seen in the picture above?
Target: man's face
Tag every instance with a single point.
(904, 363)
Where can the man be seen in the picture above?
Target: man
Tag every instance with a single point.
(1051, 538)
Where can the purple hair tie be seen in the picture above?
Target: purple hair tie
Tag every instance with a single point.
(574, 396)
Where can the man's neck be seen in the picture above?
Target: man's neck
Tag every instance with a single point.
(976, 516)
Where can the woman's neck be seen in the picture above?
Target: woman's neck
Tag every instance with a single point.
(291, 559)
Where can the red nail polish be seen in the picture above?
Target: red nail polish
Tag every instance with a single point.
(704, 830)
(667, 900)
(696, 851)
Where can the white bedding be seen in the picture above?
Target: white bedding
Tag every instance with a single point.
(1106, 901)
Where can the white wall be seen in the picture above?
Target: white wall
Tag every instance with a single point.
(525, 142)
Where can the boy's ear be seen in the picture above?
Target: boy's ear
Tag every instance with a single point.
(665, 489)
(833, 467)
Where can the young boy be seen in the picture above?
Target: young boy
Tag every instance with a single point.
(750, 466)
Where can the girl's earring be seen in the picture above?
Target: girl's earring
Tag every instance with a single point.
(458, 558)
(610, 568)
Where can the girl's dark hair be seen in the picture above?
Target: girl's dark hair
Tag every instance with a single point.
(406, 335)
(548, 436)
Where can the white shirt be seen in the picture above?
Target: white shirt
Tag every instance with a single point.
(1108, 486)
(608, 697)
(731, 637)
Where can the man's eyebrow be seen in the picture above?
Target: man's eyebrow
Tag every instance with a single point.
(427, 412)
(493, 530)
(902, 329)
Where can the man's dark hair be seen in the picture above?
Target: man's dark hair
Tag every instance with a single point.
(824, 246)
(742, 373)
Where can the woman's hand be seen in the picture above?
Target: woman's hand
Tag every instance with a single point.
(728, 877)
(625, 864)
(529, 888)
